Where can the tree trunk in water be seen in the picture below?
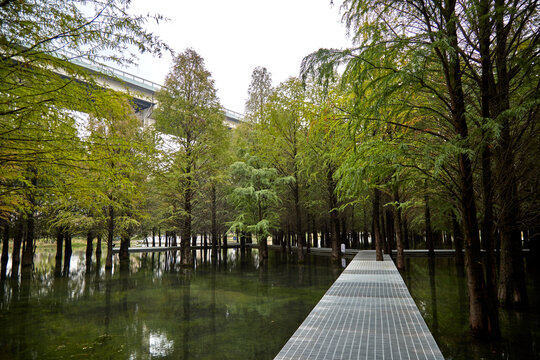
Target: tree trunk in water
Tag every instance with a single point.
(123, 255)
(185, 250)
(98, 247)
(382, 229)
(400, 261)
(458, 240)
(429, 232)
(58, 257)
(67, 253)
(390, 230)
(512, 287)
(376, 225)
(28, 248)
(16, 254)
(89, 246)
(406, 244)
(487, 175)
(479, 316)
(296, 194)
(110, 238)
(5, 250)
(263, 249)
(315, 235)
(214, 221)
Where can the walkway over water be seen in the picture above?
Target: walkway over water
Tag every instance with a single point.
(368, 314)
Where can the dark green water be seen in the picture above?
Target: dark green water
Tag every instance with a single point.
(440, 292)
(231, 309)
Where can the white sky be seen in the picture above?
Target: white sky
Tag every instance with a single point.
(235, 36)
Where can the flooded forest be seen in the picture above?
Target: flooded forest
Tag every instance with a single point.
(425, 135)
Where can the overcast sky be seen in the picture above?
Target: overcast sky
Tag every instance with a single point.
(235, 36)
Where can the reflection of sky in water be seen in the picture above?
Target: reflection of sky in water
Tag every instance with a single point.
(160, 345)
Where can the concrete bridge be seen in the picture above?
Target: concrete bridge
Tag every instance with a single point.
(142, 90)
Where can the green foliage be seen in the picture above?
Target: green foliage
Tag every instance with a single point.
(190, 113)
(48, 159)
(255, 196)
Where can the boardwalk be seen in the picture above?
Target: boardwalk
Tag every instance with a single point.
(367, 314)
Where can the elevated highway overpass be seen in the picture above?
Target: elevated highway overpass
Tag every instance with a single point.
(142, 90)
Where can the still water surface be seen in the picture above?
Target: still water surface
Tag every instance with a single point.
(229, 309)
(439, 289)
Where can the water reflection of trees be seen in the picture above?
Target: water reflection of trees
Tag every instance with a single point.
(153, 306)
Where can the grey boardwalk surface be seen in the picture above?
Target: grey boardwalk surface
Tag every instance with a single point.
(368, 314)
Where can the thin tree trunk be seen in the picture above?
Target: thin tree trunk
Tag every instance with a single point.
(400, 262)
(214, 221)
(110, 238)
(98, 247)
(59, 249)
(28, 248)
(67, 253)
(89, 246)
(390, 230)
(458, 240)
(16, 253)
(186, 259)
(429, 232)
(376, 225)
(406, 244)
(5, 250)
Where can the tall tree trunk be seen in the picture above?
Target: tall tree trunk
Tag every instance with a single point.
(299, 236)
(315, 235)
(332, 202)
(123, 255)
(479, 315)
(186, 259)
(487, 176)
(28, 247)
(5, 249)
(382, 228)
(16, 253)
(512, 288)
(67, 253)
(89, 246)
(399, 232)
(458, 240)
(214, 221)
(429, 232)
(365, 233)
(98, 247)
(376, 224)
(110, 238)
(390, 230)
(406, 244)
(59, 249)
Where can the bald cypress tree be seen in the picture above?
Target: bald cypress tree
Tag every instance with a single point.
(190, 112)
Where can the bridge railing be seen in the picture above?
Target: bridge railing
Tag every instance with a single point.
(124, 75)
(108, 70)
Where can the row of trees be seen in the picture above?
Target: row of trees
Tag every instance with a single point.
(433, 112)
